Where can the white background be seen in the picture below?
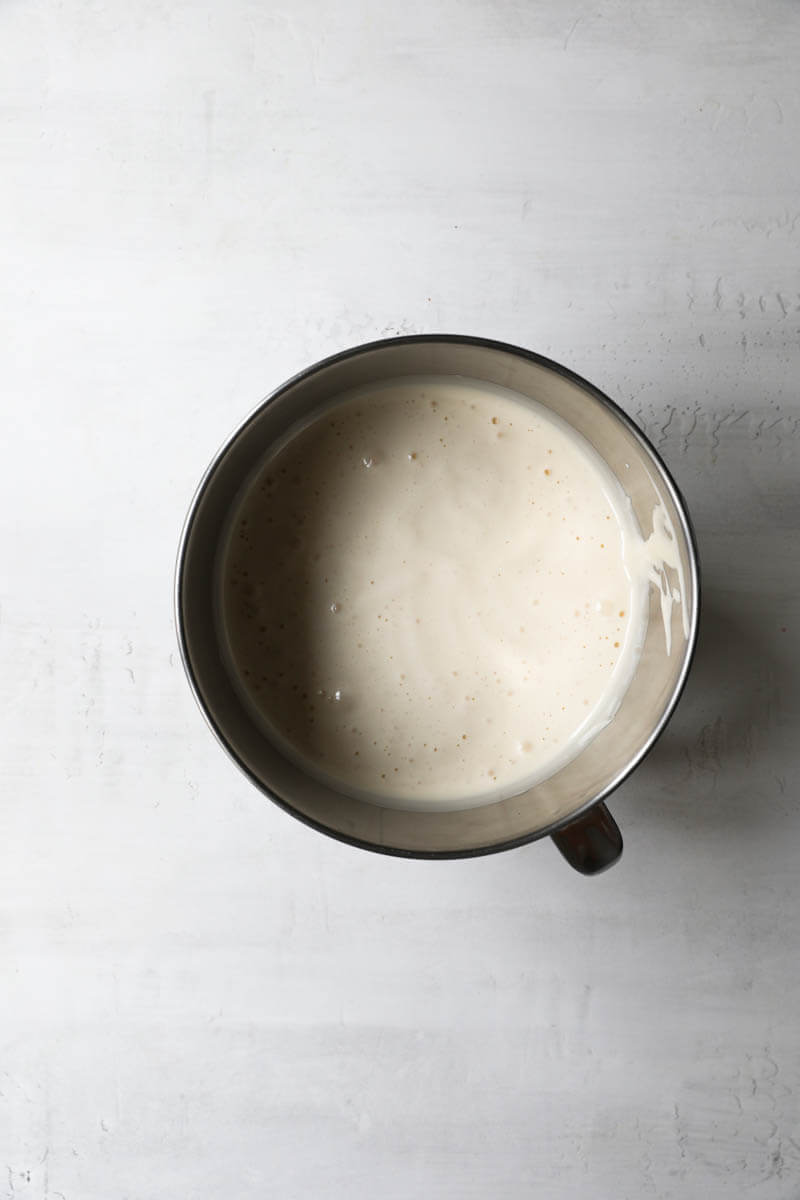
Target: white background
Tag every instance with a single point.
(199, 997)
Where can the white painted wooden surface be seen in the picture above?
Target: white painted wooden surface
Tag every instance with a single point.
(198, 996)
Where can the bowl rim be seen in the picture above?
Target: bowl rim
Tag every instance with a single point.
(558, 369)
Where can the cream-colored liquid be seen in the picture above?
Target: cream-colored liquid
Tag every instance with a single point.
(434, 594)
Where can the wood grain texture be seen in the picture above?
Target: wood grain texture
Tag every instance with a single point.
(200, 997)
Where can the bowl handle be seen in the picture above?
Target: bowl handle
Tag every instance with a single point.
(591, 844)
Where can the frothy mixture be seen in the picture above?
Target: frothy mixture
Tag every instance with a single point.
(433, 594)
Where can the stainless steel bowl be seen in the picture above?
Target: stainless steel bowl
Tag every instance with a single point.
(569, 805)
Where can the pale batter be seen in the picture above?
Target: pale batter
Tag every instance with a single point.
(431, 593)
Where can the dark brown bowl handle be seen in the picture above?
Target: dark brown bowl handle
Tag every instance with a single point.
(591, 844)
